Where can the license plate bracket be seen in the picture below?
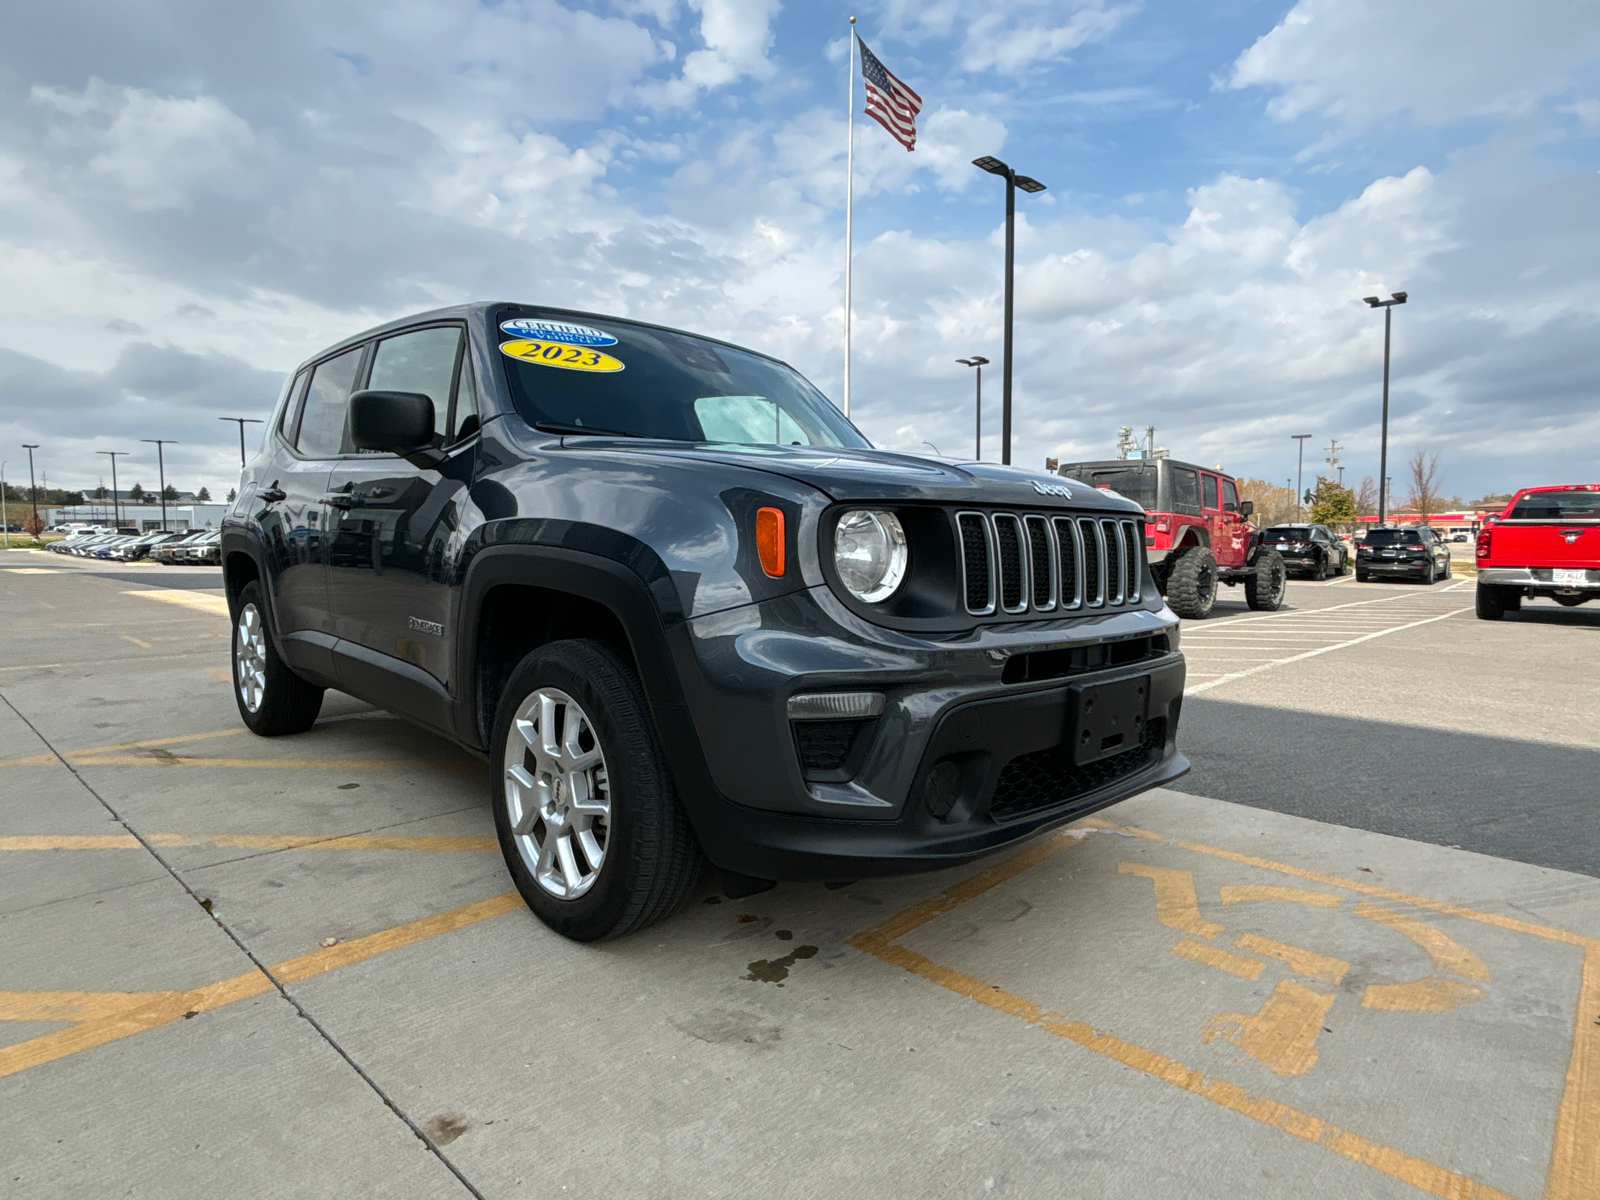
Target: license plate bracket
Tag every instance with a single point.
(1569, 578)
(1107, 718)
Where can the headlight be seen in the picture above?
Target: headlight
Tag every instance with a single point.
(869, 552)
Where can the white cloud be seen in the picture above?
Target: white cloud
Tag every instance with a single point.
(1006, 36)
(158, 149)
(737, 35)
(1441, 60)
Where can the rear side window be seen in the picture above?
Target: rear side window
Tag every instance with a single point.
(1230, 496)
(1208, 485)
(291, 409)
(1571, 505)
(1185, 490)
(422, 361)
(322, 424)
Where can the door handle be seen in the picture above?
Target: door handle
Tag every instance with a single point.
(376, 493)
(271, 495)
(341, 500)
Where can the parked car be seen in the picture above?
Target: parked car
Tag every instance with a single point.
(205, 551)
(1197, 533)
(1545, 543)
(173, 551)
(686, 609)
(1314, 549)
(1414, 551)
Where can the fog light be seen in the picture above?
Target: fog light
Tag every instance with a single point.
(834, 706)
(942, 789)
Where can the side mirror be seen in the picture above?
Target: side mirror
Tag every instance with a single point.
(1246, 507)
(394, 423)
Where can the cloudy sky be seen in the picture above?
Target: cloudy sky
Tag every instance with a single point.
(194, 197)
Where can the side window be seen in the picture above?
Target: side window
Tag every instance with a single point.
(321, 433)
(424, 361)
(466, 420)
(1230, 496)
(1208, 486)
(291, 409)
(1185, 490)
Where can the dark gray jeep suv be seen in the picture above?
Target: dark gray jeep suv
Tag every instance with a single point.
(688, 612)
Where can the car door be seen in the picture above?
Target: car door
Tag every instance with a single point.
(1235, 528)
(393, 548)
(292, 514)
(1227, 554)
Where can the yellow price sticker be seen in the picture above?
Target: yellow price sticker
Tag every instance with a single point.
(555, 354)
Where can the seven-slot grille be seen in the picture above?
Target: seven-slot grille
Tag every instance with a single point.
(1016, 563)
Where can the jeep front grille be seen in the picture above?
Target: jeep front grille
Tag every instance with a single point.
(1020, 563)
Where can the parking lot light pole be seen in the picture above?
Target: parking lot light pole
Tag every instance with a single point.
(116, 509)
(977, 360)
(33, 488)
(242, 422)
(5, 520)
(161, 469)
(1299, 474)
(1013, 181)
(1383, 444)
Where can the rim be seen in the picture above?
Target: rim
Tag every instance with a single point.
(558, 793)
(250, 658)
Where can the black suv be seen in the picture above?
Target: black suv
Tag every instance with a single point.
(685, 609)
(1415, 552)
(1314, 549)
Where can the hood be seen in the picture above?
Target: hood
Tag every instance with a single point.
(852, 474)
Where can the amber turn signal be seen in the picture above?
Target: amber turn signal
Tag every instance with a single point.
(770, 540)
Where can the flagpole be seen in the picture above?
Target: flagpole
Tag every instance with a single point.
(849, 206)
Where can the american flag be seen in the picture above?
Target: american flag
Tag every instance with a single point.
(889, 102)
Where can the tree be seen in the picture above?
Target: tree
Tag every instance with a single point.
(233, 494)
(1424, 498)
(1366, 497)
(1274, 504)
(1332, 504)
(169, 494)
(100, 492)
(203, 495)
(136, 493)
(33, 525)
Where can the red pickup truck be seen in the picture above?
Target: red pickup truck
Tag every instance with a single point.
(1545, 543)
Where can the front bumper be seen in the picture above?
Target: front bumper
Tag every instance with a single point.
(1525, 577)
(945, 701)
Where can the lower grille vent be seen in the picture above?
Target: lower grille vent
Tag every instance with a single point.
(826, 746)
(1045, 779)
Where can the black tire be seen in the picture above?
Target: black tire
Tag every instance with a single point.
(1265, 585)
(1512, 598)
(1322, 571)
(1192, 583)
(1361, 576)
(650, 858)
(1447, 571)
(1429, 574)
(283, 702)
(1344, 563)
(1490, 602)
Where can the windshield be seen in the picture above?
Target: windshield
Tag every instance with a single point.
(1136, 483)
(1572, 505)
(1287, 533)
(1394, 537)
(621, 378)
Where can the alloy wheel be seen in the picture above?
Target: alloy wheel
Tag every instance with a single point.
(557, 793)
(250, 658)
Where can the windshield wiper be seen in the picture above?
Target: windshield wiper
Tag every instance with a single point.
(558, 427)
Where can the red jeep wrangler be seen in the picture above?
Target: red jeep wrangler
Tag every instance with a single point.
(1198, 533)
(1545, 543)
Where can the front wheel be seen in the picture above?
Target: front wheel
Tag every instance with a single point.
(1266, 583)
(1192, 583)
(588, 818)
(272, 699)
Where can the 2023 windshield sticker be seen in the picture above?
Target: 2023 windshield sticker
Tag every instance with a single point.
(556, 331)
(555, 354)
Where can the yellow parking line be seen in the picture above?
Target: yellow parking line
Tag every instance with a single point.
(101, 1017)
(128, 637)
(1574, 1172)
(246, 841)
(204, 602)
(175, 760)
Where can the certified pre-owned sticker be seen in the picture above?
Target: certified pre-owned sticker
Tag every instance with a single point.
(557, 331)
(554, 354)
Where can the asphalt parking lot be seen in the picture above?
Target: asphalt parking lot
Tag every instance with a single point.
(1356, 953)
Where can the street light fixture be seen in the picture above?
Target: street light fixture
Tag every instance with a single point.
(1383, 445)
(242, 422)
(161, 468)
(116, 507)
(1013, 181)
(33, 488)
(978, 361)
(1299, 474)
